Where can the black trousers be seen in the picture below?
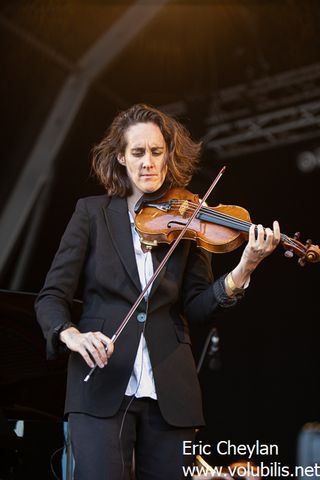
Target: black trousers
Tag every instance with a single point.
(136, 439)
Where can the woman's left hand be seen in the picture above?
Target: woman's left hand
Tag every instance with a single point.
(261, 242)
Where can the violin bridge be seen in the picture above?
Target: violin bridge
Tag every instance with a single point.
(184, 209)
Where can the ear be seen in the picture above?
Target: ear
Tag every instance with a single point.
(121, 159)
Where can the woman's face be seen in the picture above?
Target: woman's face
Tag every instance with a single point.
(145, 157)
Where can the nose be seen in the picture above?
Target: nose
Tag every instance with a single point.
(147, 160)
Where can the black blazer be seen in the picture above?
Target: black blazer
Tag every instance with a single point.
(98, 242)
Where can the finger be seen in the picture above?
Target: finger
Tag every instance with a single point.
(100, 348)
(83, 352)
(276, 231)
(108, 344)
(269, 240)
(260, 234)
(92, 349)
(252, 234)
(110, 348)
(258, 245)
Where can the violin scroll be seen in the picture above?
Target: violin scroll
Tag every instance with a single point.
(307, 253)
(312, 252)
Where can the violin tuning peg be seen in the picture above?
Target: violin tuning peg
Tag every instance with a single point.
(309, 242)
(302, 261)
(288, 253)
(296, 236)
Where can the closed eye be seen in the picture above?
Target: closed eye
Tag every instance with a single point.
(139, 152)
(156, 152)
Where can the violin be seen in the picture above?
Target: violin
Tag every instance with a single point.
(172, 214)
(217, 229)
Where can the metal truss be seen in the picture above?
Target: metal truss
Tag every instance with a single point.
(267, 113)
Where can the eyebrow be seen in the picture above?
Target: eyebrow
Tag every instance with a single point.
(152, 148)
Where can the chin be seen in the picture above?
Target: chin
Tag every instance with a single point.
(150, 188)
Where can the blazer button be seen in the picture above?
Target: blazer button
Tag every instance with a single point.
(141, 317)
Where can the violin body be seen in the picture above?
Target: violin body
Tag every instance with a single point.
(160, 225)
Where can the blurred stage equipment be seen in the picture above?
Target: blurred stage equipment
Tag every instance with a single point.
(32, 389)
(210, 355)
(308, 448)
(308, 161)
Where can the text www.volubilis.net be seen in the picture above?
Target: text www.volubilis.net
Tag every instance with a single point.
(262, 470)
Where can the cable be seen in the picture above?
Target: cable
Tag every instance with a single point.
(51, 461)
(141, 370)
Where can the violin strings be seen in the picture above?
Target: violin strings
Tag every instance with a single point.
(233, 221)
(215, 214)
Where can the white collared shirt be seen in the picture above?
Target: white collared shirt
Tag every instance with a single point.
(141, 383)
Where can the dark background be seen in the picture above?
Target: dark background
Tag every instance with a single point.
(183, 61)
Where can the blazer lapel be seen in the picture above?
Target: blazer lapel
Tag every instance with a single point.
(158, 254)
(118, 224)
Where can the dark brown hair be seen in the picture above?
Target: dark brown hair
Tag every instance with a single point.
(182, 151)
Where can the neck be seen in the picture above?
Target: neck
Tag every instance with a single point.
(132, 200)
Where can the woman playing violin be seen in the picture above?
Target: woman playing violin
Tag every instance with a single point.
(144, 401)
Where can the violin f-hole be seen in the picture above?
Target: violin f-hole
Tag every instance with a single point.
(175, 222)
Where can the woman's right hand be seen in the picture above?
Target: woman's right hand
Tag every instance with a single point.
(90, 345)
